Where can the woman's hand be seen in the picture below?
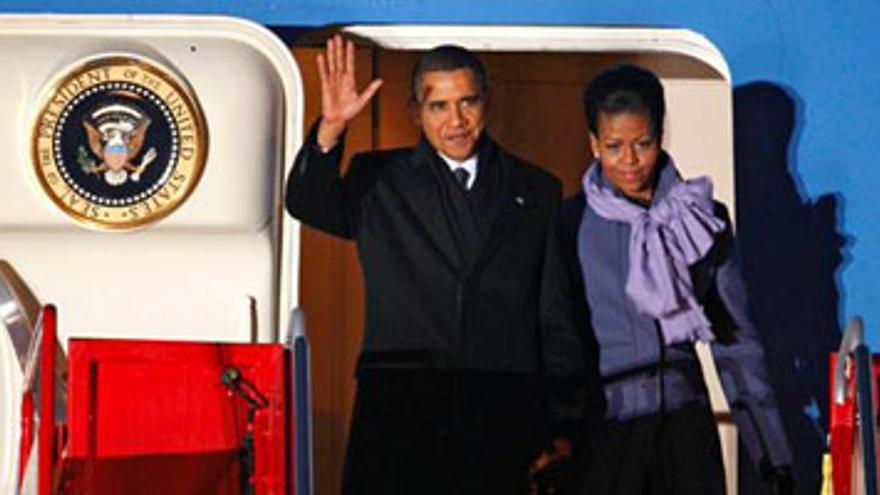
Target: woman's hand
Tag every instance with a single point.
(340, 101)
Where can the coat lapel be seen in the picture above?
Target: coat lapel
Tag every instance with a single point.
(426, 199)
(423, 193)
(517, 199)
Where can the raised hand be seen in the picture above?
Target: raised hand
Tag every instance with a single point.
(340, 101)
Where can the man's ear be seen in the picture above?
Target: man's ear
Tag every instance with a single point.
(413, 107)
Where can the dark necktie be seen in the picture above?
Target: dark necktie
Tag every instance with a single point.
(461, 176)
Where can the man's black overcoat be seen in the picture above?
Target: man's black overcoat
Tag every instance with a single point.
(472, 346)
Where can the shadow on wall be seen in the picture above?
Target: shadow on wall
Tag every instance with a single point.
(791, 253)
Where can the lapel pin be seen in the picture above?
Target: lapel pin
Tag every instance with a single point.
(519, 200)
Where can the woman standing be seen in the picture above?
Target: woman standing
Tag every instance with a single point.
(658, 262)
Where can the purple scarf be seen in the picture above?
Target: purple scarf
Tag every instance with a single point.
(675, 232)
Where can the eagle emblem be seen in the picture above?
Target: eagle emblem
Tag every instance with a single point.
(120, 141)
(116, 133)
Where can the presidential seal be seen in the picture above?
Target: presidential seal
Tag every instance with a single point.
(119, 142)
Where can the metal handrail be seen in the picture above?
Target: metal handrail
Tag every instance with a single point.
(16, 314)
(853, 346)
(298, 345)
(852, 337)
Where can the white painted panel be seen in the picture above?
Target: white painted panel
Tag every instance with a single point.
(699, 132)
(192, 275)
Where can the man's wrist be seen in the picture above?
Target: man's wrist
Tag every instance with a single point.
(328, 135)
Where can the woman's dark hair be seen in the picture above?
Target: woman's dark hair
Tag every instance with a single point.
(625, 88)
(446, 58)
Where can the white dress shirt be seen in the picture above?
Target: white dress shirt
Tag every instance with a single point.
(470, 165)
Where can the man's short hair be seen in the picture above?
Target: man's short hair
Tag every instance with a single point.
(625, 88)
(446, 58)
